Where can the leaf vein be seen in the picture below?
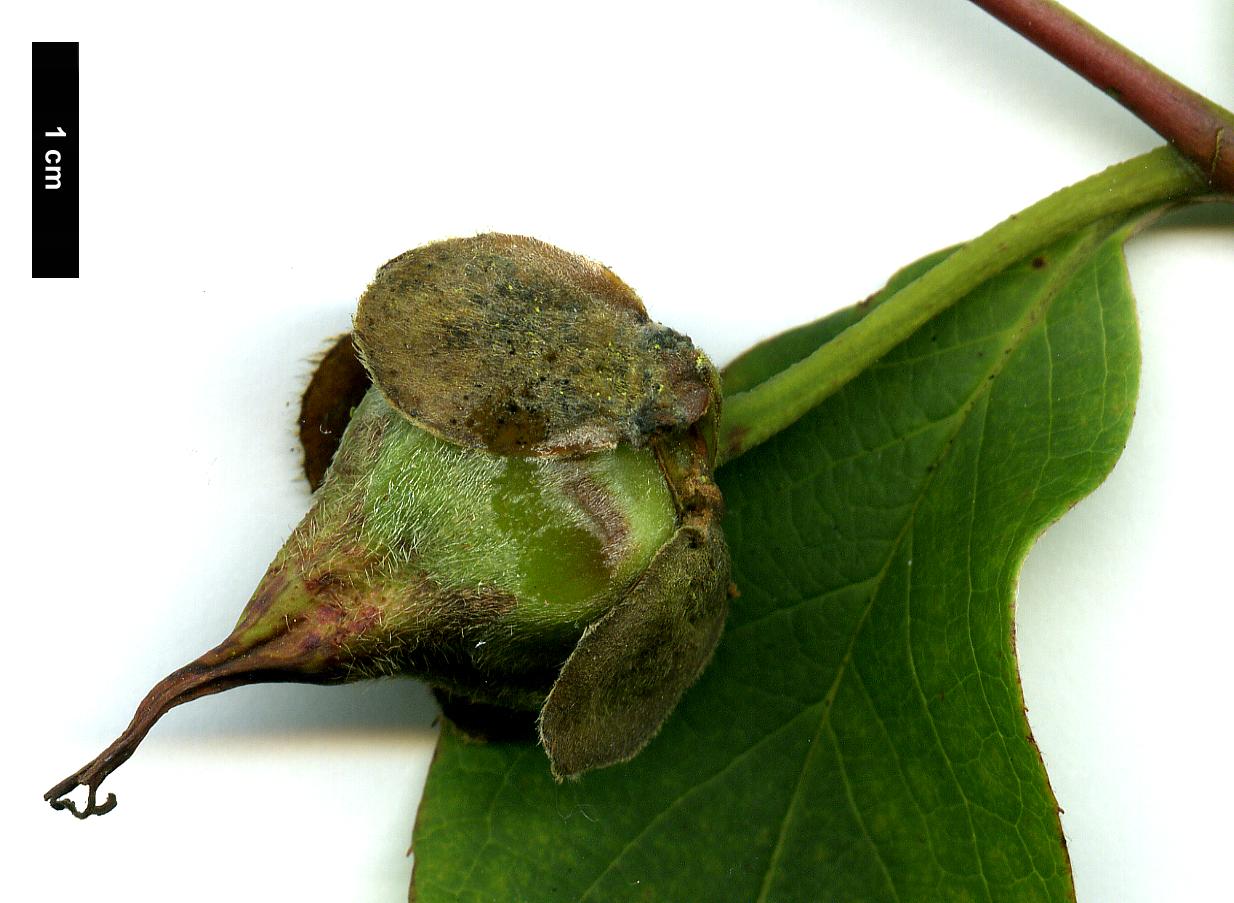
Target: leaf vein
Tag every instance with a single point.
(852, 805)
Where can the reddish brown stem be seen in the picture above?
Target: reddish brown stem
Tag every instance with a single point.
(1200, 129)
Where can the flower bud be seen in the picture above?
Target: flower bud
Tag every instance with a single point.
(520, 511)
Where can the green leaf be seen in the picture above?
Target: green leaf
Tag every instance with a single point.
(860, 735)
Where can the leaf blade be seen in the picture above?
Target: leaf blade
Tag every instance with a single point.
(860, 734)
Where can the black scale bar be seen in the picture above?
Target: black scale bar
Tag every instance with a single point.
(55, 162)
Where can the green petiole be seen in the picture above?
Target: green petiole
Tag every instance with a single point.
(754, 416)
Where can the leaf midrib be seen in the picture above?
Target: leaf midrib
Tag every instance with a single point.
(1074, 259)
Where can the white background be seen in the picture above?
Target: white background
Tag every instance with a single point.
(745, 167)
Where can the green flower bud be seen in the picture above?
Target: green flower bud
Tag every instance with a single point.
(520, 511)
